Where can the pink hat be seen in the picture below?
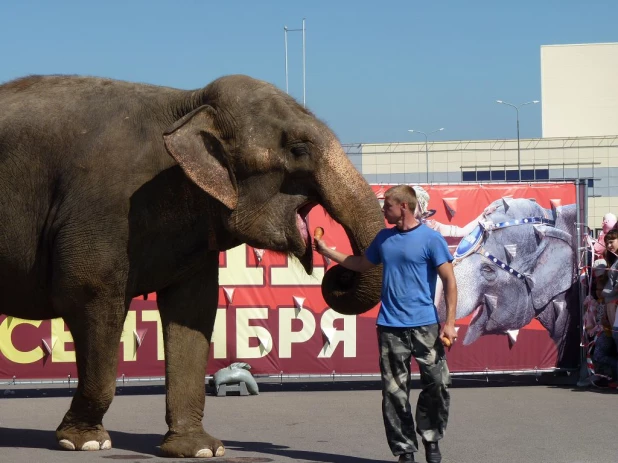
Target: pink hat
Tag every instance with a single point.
(609, 220)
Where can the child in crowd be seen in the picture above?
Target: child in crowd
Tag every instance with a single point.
(596, 324)
(595, 309)
(605, 353)
(610, 291)
(609, 222)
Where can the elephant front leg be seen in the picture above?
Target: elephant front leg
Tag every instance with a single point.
(188, 313)
(96, 335)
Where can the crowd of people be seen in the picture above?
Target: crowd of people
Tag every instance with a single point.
(600, 321)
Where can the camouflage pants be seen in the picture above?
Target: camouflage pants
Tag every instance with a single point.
(397, 347)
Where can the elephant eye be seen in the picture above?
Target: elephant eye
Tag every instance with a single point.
(488, 272)
(299, 150)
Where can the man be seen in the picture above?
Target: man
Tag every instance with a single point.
(413, 256)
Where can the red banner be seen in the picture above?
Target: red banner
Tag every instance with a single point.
(272, 315)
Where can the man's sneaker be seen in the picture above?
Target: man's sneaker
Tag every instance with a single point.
(406, 458)
(432, 452)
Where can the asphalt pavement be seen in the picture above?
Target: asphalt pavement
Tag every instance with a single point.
(500, 420)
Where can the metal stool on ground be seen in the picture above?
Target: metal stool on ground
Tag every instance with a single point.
(240, 387)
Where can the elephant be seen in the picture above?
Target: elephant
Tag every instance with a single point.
(519, 263)
(110, 190)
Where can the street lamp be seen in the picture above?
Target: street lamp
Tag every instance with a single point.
(285, 33)
(426, 149)
(517, 110)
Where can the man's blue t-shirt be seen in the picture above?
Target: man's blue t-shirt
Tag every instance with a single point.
(410, 259)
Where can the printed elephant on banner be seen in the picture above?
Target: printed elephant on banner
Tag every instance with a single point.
(520, 263)
(110, 190)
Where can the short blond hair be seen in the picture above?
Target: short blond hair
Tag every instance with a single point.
(402, 194)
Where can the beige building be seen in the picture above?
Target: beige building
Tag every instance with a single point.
(580, 137)
(579, 84)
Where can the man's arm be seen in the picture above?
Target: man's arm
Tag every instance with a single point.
(446, 274)
(356, 263)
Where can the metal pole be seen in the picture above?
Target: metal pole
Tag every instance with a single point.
(518, 152)
(287, 90)
(518, 149)
(427, 159)
(581, 219)
(304, 63)
(285, 33)
(425, 134)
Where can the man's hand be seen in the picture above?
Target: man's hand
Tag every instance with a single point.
(449, 332)
(320, 247)
(446, 274)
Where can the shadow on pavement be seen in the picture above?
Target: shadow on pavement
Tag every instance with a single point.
(284, 451)
(147, 444)
(28, 438)
(589, 388)
(44, 439)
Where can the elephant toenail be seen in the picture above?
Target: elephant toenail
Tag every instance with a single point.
(204, 453)
(91, 445)
(66, 444)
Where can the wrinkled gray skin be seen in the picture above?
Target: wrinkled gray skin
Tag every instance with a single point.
(110, 190)
(502, 301)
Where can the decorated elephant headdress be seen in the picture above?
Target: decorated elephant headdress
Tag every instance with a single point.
(514, 265)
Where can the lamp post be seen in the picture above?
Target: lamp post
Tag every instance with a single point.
(517, 111)
(426, 149)
(285, 34)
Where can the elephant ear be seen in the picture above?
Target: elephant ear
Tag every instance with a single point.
(195, 144)
(553, 268)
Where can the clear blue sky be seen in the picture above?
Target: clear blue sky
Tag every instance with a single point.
(374, 69)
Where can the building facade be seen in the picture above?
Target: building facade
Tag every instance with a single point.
(593, 159)
(579, 88)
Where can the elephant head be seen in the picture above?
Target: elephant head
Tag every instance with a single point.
(516, 266)
(269, 161)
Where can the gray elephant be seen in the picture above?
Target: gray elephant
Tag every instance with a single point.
(520, 263)
(110, 190)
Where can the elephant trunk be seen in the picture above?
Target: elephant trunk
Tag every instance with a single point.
(350, 201)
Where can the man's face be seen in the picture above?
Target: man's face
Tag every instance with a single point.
(393, 211)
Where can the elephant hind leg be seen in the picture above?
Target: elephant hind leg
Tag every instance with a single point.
(96, 334)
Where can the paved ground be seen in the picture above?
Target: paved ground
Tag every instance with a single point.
(503, 421)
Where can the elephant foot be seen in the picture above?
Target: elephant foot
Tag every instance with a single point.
(93, 438)
(192, 445)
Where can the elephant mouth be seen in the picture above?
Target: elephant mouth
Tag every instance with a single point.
(487, 319)
(302, 225)
(476, 328)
